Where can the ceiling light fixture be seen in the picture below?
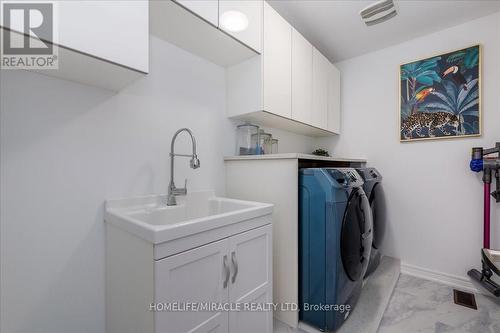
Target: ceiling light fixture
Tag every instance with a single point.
(233, 21)
(378, 12)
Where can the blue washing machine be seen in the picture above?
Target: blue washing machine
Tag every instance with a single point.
(335, 238)
(373, 188)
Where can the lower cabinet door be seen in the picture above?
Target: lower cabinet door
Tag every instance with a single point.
(251, 281)
(196, 276)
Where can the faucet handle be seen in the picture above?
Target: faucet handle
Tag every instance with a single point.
(180, 191)
(183, 191)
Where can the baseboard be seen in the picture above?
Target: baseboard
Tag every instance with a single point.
(448, 279)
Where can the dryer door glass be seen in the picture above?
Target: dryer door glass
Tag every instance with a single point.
(356, 235)
(377, 202)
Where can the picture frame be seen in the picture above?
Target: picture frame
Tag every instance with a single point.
(440, 96)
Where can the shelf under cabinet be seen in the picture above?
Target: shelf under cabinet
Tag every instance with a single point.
(264, 118)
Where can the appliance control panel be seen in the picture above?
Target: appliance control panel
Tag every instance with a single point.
(347, 177)
(370, 174)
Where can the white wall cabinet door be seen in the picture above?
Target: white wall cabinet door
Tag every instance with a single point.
(302, 62)
(251, 279)
(321, 73)
(242, 19)
(334, 100)
(206, 9)
(196, 275)
(85, 26)
(277, 63)
(99, 43)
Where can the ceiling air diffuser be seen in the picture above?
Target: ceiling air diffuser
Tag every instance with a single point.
(378, 12)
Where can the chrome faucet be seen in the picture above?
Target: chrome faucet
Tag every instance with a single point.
(194, 164)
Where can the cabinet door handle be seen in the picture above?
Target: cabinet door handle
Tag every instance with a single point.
(235, 265)
(226, 271)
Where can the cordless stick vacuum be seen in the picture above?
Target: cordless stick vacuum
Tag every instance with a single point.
(490, 259)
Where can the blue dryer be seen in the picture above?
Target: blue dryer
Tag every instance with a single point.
(335, 238)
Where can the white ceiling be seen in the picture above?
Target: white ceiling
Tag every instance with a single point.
(336, 29)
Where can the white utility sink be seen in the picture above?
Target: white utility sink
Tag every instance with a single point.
(151, 219)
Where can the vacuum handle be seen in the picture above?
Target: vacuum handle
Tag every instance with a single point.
(477, 153)
(496, 194)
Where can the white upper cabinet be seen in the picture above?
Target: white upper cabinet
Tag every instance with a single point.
(242, 19)
(99, 43)
(291, 86)
(334, 100)
(321, 73)
(206, 9)
(302, 76)
(194, 26)
(117, 31)
(277, 63)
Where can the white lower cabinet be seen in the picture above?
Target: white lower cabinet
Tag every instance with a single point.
(195, 276)
(251, 280)
(232, 272)
(206, 275)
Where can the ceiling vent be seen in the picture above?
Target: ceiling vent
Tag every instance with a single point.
(378, 12)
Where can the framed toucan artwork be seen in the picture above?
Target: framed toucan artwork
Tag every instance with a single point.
(440, 96)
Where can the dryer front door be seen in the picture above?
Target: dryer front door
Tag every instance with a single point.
(356, 235)
(377, 202)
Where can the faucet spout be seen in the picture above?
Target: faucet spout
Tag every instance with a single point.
(194, 163)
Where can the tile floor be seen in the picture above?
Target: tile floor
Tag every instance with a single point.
(424, 306)
(279, 327)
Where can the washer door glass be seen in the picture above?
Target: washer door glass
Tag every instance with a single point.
(377, 202)
(356, 235)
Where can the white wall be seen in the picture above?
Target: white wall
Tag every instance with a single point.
(435, 201)
(66, 147)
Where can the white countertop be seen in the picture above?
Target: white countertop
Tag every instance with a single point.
(299, 156)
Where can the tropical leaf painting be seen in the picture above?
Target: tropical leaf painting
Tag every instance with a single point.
(440, 96)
